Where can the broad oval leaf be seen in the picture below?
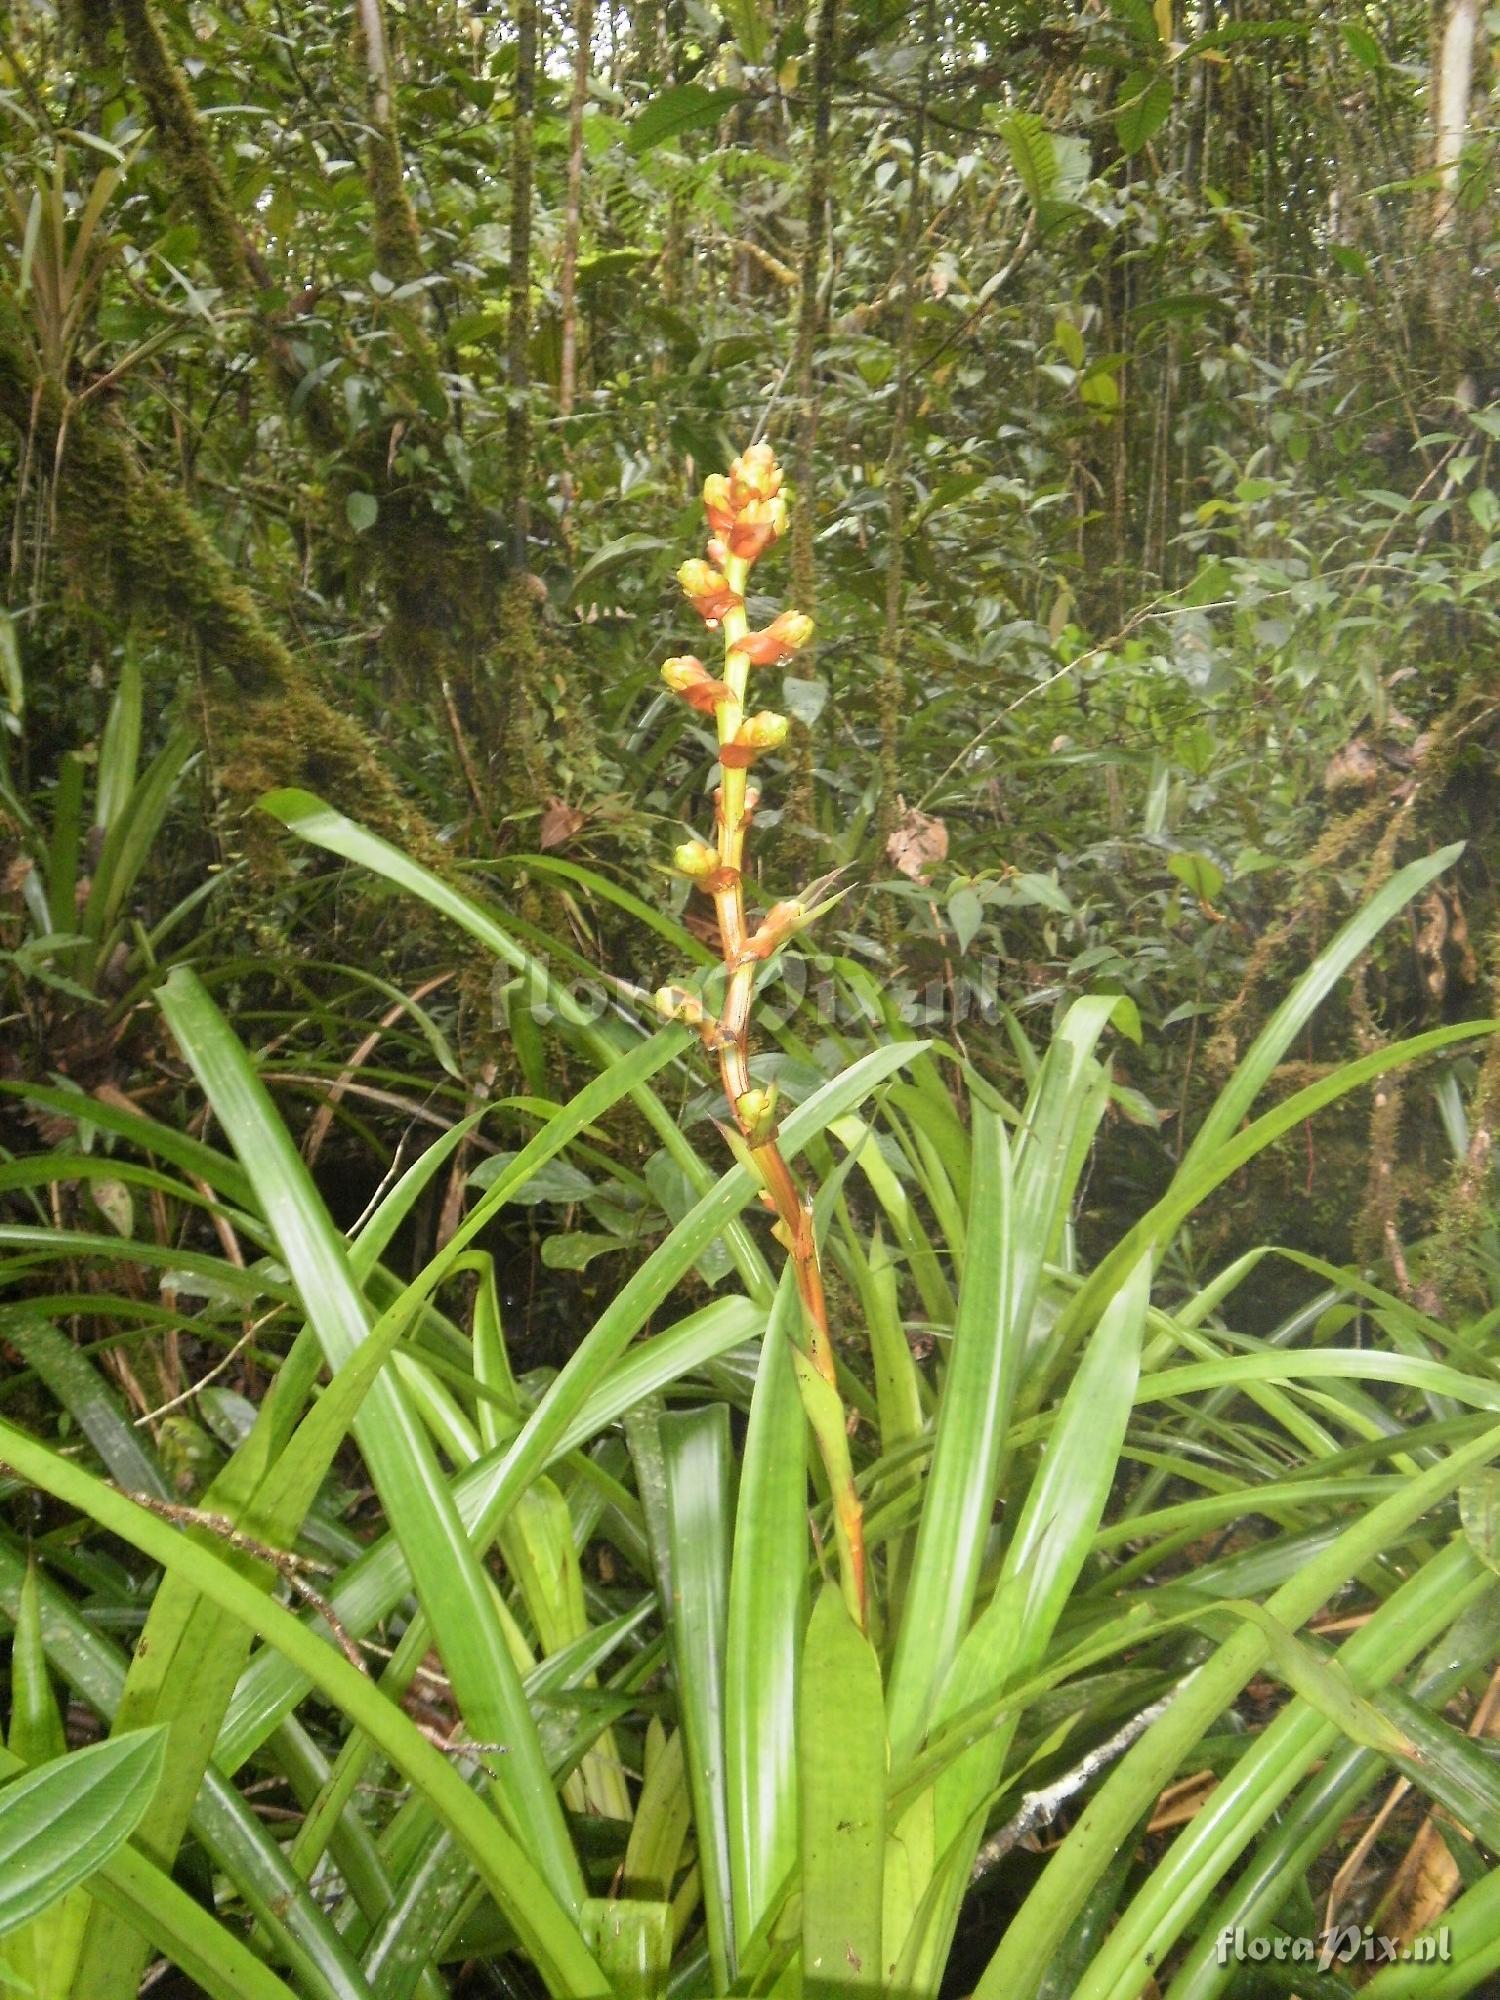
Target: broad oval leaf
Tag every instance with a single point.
(686, 107)
(1363, 46)
(747, 22)
(612, 557)
(63, 1820)
(1200, 876)
(1145, 100)
(965, 914)
(1032, 152)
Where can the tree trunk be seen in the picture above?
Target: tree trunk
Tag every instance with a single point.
(892, 676)
(225, 247)
(524, 784)
(130, 541)
(398, 242)
(1452, 88)
(801, 797)
(439, 576)
(518, 333)
(567, 373)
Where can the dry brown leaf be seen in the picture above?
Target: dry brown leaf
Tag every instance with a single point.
(1459, 946)
(559, 824)
(1182, 1801)
(1442, 942)
(918, 842)
(1421, 1888)
(1431, 937)
(1428, 1878)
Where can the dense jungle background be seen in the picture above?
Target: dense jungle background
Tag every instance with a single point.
(1135, 369)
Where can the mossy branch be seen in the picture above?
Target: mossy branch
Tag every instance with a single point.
(226, 249)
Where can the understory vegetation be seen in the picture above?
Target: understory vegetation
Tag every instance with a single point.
(824, 1318)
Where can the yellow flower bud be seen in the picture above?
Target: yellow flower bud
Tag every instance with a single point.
(718, 503)
(707, 591)
(683, 672)
(755, 475)
(766, 731)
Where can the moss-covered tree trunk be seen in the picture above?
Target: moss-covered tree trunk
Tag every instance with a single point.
(892, 689)
(526, 779)
(441, 573)
(131, 546)
(801, 800)
(398, 238)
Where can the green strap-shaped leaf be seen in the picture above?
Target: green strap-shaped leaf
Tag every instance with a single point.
(36, 1731)
(1298, 1008)
(546, 1930)
(607, 1042)
(1165, 1903)
(698, 1467)
(96, 1409)
(45, 1951)
(977, 1390)
(1189, 1189)
(842, 1757)
(451, 1583)
(485, 1493)
(767, 1613)
(632, 1941)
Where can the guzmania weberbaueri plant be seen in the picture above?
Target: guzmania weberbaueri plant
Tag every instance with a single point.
(747, 513)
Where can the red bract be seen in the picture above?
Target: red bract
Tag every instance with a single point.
(783, 637)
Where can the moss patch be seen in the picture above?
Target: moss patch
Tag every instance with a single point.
(130, 540)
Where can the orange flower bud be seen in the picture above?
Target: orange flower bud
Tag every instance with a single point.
(691, 679)
(783, 637)
(758, 524)
(760, 732)
(695, 858)
(707, 591)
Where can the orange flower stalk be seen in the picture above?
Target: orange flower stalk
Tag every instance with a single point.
(747, 513)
